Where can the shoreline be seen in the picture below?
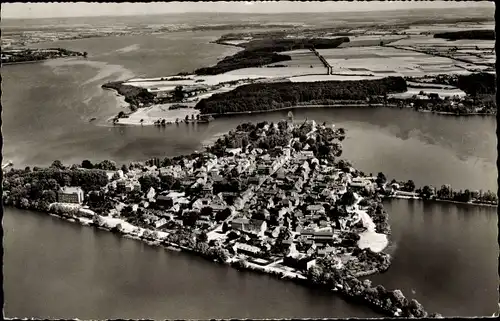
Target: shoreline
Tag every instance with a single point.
(24, 62)
(439, 200)
(140, 113)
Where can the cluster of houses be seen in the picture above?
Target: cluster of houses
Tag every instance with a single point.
(281, 201)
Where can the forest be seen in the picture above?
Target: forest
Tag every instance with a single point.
(265, 51)
(270, 96)
(467, 34)
(133, 95)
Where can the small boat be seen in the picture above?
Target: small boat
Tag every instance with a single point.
(92, 119)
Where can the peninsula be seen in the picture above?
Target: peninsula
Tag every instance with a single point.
(27, 55)
(270, 197)
(275, 71)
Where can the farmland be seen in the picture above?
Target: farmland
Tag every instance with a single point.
(302, 58)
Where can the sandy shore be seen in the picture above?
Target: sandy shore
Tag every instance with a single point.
(377, 242)
(149, 115)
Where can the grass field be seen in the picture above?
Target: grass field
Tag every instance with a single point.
(441, 92)
(207, 80)
(313, 78)
(278, 72)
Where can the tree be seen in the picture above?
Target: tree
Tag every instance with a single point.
(87, 164)
(410, 186)
(416, 309)
(225, 227)
(203, 237)
(106, 165)
(206, 211)
(259, 216)
(190, 218)
(445, 192)
(179, 93)
(381, 179)
(223, 215)
(427, 192)
(314, 274)
(57, 164)
(148, 181)
(348, 199)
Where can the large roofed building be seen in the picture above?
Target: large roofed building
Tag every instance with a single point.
(70, 195)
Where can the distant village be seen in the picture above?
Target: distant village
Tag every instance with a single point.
(32, 55)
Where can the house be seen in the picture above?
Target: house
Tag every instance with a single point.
(324, 251)
(121, 186)
(316, 209)
(151, 194)
(207, 189)
(246, 249)
(323, 237)
(264, 169)
(218, 205)
(252, 226)
(160, 222)
(70, 195)
(359, 182)
(201, 203)
(338, 189)
(164, 201)
(299, 263)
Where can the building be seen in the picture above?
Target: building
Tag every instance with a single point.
(70, 195)
(253, 226)
(316, 209)
(246, 249)
(302, 264)
(164, 201)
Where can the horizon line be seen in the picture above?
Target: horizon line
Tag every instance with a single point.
(229, 12)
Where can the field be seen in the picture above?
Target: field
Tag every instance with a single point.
(370, 40)
(312, 78)
(190, 80)
(278, 71)
(444, 92)
(386, 60)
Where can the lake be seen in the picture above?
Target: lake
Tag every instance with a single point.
(445, 255)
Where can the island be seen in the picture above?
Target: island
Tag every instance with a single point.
(27, 55)
(268, 197)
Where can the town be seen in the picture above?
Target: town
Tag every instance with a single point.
(279, 208)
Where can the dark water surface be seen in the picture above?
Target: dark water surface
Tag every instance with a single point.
(55, 269)
(446, 255)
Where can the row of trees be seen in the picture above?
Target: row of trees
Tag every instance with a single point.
(465, 196)
(447, 193)
(269, 96)
(325, 274)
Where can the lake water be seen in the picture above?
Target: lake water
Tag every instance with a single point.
(444, 255)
